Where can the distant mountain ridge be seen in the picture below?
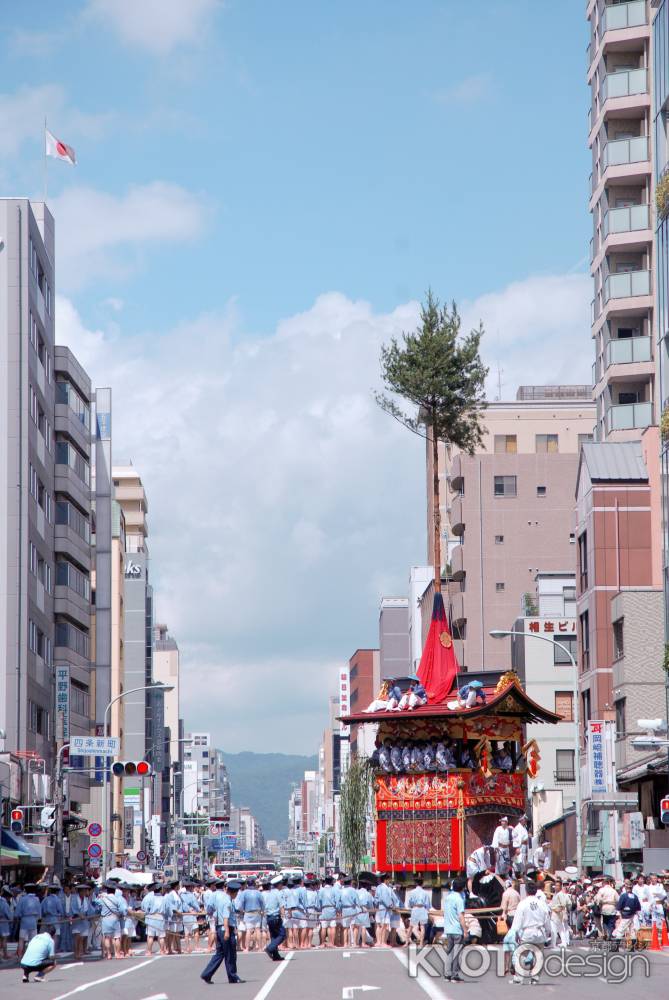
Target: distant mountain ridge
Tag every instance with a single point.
(263, 782)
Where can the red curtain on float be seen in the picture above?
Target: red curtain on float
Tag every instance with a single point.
(438, 664)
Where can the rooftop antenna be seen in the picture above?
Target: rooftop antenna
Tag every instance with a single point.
(500, 372)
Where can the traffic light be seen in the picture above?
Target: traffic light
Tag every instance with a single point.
(17, 821)
(664, 811)
(131, 768)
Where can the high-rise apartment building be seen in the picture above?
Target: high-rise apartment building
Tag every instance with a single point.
(47, 529)
(622, 255)
(507, 513)
(394, 645)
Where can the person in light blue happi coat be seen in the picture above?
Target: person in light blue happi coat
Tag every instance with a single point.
(190, 907)
(349, 908)
(419, 901)
(153, 906)
(5, 918)
(327, 901)
(81, 910)
(113, 909)
(361, 924)
(53, 913)
(28, 911)
(384, 905)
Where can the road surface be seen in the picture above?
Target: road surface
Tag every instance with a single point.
(310, 975)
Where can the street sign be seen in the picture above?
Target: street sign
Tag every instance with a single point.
(141, 857)
(92, 745)
(664, 811)
(94, 829)
(191, 838)
(94, 851)
(159, 864)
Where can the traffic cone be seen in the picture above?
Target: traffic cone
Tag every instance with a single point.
(665, 936)
(654, 940)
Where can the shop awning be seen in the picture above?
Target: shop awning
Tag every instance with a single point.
(14, 842)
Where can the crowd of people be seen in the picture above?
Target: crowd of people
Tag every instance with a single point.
(418, 756)
(277, 913)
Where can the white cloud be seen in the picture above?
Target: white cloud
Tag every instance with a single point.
(471, 90)
(537, 330)
(157, 25)
(283, 503)
(22, 115)
(100, 233)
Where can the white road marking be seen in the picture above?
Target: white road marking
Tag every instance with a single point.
(97, 982)
(156, 996)
(70, 965)
(347, 954)
(426, 983)
(347, 991)
(269, 985)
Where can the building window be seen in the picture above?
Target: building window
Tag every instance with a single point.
(69, 515)
(69, 396)
(572, 538)
(618, 643)
(79, 699)
(560, 657)
(354, 671)
(584, 439)
(499, 539)
(38, 719)
(564, 705)
(506, 444)
(67, 454)
(621, 729)
(67, 575)
(584, 623)
(583, 560)
(71, 637)
(505, 486)
(564, 763)
(546, 442)
(499, 587)
(586, 705)
(541, 491)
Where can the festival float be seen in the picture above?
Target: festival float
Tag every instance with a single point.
(448, 761)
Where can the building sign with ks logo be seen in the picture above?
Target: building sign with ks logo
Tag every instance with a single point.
(133, 570)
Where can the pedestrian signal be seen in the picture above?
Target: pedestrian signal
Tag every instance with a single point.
(131, 768)
(17, 821)
(664, 811)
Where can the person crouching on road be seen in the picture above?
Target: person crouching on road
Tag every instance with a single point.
(39, 957)
(224, 912)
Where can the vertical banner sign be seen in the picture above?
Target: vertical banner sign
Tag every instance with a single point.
(128, 827)
(63, 701)
(343, 697)
(597, 756)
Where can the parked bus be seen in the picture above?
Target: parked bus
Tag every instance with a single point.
(234, 869)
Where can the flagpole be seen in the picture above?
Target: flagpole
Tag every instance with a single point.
(45, 166)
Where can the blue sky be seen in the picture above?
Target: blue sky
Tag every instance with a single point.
(263, 192)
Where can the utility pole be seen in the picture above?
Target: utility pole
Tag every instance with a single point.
(59, 826)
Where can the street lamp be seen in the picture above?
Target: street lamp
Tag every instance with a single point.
(498, 633)
(123, 694)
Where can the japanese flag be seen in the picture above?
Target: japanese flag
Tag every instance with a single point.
(59, 150)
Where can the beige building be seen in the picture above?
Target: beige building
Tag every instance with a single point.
(622, 249)
(508, 513)
(166, 671)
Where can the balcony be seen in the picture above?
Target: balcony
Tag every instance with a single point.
(619, 152)
(629, 416)
(623, 15)
(626, 220)
(457, 563)
(624, 84)
(628, 351)
(627, 285)
(564, 777)
(457, 517)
